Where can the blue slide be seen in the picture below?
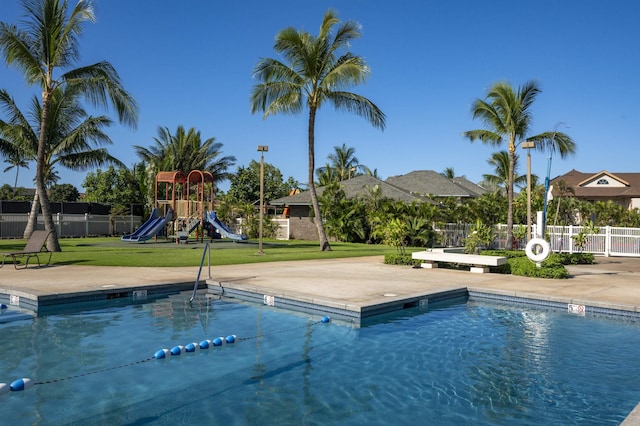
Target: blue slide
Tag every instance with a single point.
(150, 228)
(211, 219)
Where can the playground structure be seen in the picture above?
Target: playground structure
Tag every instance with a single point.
(182, 203)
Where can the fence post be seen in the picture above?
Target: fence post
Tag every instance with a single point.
(607, 241)
(570, 239)
(59, 219)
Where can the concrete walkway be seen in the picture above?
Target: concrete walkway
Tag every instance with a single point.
(354, 283)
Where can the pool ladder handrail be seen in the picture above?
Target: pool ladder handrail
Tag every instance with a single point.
(206, 250)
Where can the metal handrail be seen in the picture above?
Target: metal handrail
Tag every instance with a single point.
(206, 250)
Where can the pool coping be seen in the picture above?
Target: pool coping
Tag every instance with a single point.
(355, 312)
(39, 303)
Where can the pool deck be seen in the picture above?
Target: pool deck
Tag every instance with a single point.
(359, 286)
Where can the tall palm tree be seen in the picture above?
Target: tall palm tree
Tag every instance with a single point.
(186, 151)
(500, 179)
(507, 115)
(74, 138)
(46, 50)
(316, 73)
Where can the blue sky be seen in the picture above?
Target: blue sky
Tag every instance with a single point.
(190, 64)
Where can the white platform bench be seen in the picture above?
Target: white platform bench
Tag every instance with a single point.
(479, 264)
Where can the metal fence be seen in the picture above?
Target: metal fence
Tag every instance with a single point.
(72, 225)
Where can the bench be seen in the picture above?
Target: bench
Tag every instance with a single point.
(479, 264)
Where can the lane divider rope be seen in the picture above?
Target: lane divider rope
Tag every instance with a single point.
(26, 383)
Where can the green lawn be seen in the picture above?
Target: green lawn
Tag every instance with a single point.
(113, 252)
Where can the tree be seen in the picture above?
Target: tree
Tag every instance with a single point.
(73, 141)
(10, 193)
(46, 50)
(449, 173)
(64, 192)
(113, 186)
(245, 183)
(344, 218)
(16, 158)
(343, 164)
(317, 73)
(500, 179)
(186, 151)
(507, 114)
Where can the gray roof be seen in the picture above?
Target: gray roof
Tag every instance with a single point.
(354, 187)
(429, 182)
(470, 186)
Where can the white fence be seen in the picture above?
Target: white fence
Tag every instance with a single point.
(609, 241)
(72, 225)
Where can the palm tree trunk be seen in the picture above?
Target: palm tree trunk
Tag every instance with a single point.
(512, 164)
(33, 217)
(41, 190)
(324, 242)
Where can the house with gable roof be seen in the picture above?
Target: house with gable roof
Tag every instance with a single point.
(416, 186)
(621, 188)
(434, 184)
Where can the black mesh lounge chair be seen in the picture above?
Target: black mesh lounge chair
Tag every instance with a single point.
(35, 246)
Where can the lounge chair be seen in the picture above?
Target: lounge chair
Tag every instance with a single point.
(37, 242)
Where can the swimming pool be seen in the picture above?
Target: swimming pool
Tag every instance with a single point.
(457, 363)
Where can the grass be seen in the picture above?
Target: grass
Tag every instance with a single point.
(113, 252)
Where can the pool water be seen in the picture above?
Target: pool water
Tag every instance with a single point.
(461, 363)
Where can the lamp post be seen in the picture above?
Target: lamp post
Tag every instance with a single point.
(261, 149)
(528, 145)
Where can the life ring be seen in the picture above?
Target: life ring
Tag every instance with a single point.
(542, 255)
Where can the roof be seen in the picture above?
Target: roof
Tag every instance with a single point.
(429, 182)
(354, 187)
(602, 184)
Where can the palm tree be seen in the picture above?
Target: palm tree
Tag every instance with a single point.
(46, 50)
(344, 160)
(507, 114)
(343, 164)
(72, 135)
(327, 175)
(186, 151)
(500, 162)
(11, 148)
(316, 73)
(449, 173)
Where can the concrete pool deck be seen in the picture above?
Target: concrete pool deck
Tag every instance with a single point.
(363, 284)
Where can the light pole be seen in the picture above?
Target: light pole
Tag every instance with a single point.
(261, 149)
(528, 145)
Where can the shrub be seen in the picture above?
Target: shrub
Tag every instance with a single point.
(550, 268)
(401, 259)
(575, 258)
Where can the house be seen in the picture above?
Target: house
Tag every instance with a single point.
(431, 183)
(621, 188)
(413, 187)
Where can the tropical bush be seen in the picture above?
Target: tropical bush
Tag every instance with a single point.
(550, 268)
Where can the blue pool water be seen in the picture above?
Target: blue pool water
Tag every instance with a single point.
(462, 363)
